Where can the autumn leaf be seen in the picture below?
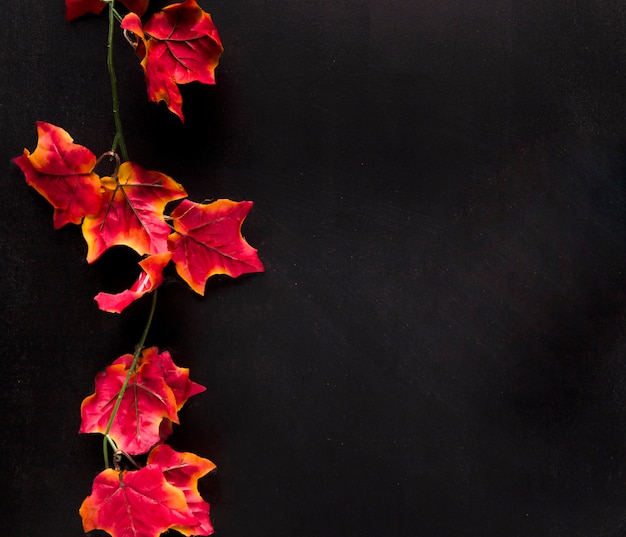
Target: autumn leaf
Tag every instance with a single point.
(177, 378)
(132, 212)
(178, 45)
(78, 8)
(139, 503)
(146, 401)
(183, 471)
(207, 241)
(156, 391)
(149, 279)
(136, 6)
(62, 172)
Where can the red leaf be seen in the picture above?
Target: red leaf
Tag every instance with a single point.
(208, 241)
(183, 471)
(146, 401)
(139, 503)
(149, 280)
(156, 391)
(61, 171)
(177, 378)
(136, 6)
(78, 8)
(179, 45)
(132, 212)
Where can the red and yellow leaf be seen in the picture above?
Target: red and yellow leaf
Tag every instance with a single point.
(177, 378)
(156, 391)
(183, 471)
(139, 503)
(78, 8)
(62, 172)
(147, 400)
(149, 279)
(208, 241)
(132, 212)
(178, 45)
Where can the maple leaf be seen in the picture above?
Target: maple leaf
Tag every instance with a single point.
(131, 213)
(178, 45)
(62, 172)
(140, 503)
(177, 378)
(146, 401)
(207, 241)
(156, 391)
(183, 471)
(78, 8)
(149, 279)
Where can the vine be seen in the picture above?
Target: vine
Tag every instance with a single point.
(138, 396)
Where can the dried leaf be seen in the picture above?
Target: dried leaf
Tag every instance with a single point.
(62, 172)
(207, 241)
(178, 45)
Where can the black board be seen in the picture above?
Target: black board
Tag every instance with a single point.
(437, 347)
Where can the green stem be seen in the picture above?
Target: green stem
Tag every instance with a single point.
(119, 136)
(107, 439)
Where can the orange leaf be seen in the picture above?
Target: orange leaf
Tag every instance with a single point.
(183, 471)
(149, 279)
(132, 212)
(178, 45)
(61, 171)
(207, 241)
(138, 503)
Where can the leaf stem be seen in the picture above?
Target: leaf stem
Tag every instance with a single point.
(107, 439)
(119, 136)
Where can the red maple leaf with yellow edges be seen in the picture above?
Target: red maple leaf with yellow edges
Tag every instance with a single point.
(78, 8)
(178, 45)
(146, 402)
(207, 241)
(62, 172)
(131, 213)
(140, 503)
(183, 471)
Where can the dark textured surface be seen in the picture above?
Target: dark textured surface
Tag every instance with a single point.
(438, 345)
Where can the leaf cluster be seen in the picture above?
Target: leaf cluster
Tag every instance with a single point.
(138, 396)
(128, 209)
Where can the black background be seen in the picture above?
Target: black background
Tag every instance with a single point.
(438, 345)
